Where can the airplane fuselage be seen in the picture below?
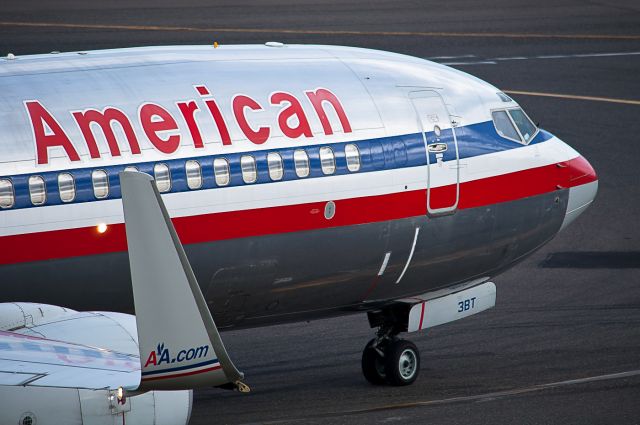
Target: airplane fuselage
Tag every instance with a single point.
(303, 181)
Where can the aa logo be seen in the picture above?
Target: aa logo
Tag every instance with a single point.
(162, 355)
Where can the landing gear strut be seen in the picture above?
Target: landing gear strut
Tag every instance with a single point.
(387, 359)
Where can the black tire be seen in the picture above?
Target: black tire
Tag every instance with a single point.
(373, 365)
(401, 362)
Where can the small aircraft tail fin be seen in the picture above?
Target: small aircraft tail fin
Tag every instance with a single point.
(180, 346)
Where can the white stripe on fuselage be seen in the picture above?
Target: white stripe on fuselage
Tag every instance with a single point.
(200, 202)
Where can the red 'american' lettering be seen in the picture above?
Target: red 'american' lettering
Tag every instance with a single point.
(161, 128)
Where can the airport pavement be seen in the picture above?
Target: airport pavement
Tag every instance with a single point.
(563, 343)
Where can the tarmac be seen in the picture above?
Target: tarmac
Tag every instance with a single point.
(562, 344)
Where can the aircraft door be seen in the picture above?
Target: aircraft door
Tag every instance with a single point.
(439, 135)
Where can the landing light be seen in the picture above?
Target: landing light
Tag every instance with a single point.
(102, 227)
(118, 401)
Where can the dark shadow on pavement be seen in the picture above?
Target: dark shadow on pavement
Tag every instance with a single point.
(593, 260)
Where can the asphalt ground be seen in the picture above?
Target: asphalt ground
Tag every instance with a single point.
(563, 343)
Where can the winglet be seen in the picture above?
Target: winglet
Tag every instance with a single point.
(180, 347)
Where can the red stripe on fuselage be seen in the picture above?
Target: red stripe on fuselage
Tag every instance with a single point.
(525, 183)
(421, 315)
(293, 218)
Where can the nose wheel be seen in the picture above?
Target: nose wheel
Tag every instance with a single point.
(391, 361)
(373, 363)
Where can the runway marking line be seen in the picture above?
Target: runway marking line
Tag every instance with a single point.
(494, 61)
(478, 397)
(469, 63)
(322, 32)
(575, 97)
(569, 56)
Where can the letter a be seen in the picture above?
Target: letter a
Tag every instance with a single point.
(152, 359)
(54, 137)
(294, 109)
(164, 357)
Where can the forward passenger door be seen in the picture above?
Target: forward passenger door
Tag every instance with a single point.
(441, 144)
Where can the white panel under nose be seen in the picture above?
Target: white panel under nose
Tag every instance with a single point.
(580, 197)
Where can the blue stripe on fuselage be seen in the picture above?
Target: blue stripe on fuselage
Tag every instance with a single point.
(380, 154)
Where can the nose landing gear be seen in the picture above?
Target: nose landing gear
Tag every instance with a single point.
(387, 359)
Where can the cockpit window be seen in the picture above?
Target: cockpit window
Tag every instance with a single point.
(524, 124)
(503, 97)
(504, 126)
(514, 124)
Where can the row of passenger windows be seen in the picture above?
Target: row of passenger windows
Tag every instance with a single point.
(193, 171)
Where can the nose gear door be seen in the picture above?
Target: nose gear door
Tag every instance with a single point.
(441, 144)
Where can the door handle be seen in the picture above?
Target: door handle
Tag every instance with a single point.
(437, 147)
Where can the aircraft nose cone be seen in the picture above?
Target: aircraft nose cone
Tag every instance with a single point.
(583, 187)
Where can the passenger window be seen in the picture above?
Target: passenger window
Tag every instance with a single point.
(37, 190)
(67, 187)
(327, 160)
(7, 196)
(248, 167)
(301, 163)
(130, 168)
(524, 124)
(194, 174)
(353, 157)
(163, 177)
(274, 163)
(100, 183)
(221, 171)
(504, 126)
